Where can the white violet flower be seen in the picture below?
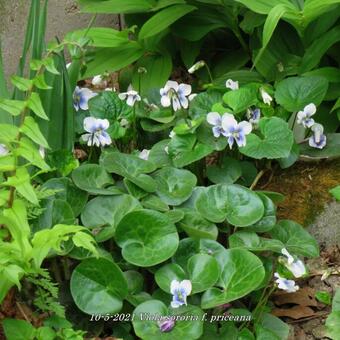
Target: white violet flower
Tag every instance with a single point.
(196, 66)
(131, 96)
(3, 150)
(99, 81)
(233, 85)
(254, 116)
(285, 284)
(180, 291)
(176, 95)
(234, 131)
(97, 134)
(304, 116)
(81, 97)
(297, 267)
(144, 154)
(318, 139)
(266, 98)
(215, 119)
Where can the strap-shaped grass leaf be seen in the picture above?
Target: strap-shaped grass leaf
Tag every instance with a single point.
(296, 92)
(146, 237)
(131, 167)
(276, 140)
(94, 179)
(174, 186)
(163, 19)
(296, 239)
(104, 213)
(98, 286)
(238, 205)
(115, 6)
(242, 272)
(189, 327)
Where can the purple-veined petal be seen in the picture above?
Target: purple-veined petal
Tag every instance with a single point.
(217, 131)
(90, 124)
(186, 286)
(184, 89)
(229, 123)
(310, 109)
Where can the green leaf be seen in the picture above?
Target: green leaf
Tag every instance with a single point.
(174, 186)
(315, 52)
(103, 214)
(135, 281)
(170, 271)
(22, 84)
(242, 273)
(34, 103)
(55, 211)
(189, 324)
(241, 99)
(155, 203)
(113, 59)
(147, 237)
(251, 241)
(14, 107)
(238, 205)
(31, 129)
(275, 327)
(94, 179)
(330, 151)
(276, 140)
(197, 227)
(98, 286)
(335, 192)
(131, 167)
(100, 36)
(115, 6)
(296, 92)
(227, 173)
(333, 325)
(18, 329)
(8, 133)
(295, 238)
(268, 221)
(202, 104)
(292, 157)
(324, 297)
(185, 150)
(68, 192)
(163, 19)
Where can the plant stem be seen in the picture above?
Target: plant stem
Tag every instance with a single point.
(257, 178)
(209, 72)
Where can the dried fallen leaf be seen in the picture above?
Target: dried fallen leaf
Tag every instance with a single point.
(303, 297)
(296, 312)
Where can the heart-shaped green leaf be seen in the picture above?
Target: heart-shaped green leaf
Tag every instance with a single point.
(190, 326)
(196, 226)
(242, 273)
(147, 237)
(94, 179)
(296, 92)
(174, 186)
(105, 212)
(68, 192)
(131, 167)
(238, 205)
(227, 173)
(276, 140)
(295, 238)
(239, 100)
(98, 286)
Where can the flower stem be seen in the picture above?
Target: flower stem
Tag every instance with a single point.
(209, 72)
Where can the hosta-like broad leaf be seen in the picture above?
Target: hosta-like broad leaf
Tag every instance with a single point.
(295, 238)
(98, 286)
(297, 92)
(275, 141)
(238, 205)
(174, 186)
(242, 273)
(190, 327)
(94, 179)
(104, 213)
(146, 237)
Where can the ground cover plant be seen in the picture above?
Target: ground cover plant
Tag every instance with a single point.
(157, 229)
